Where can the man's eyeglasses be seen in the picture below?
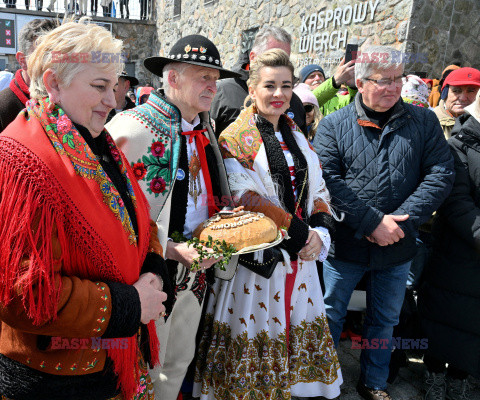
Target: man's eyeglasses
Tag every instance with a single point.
(385, 82)
(308, 108)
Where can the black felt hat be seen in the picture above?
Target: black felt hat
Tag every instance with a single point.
(192, 49)
(132, 79)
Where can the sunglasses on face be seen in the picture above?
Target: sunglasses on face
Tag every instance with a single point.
(308, 108)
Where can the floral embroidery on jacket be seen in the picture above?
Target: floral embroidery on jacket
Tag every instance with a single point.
(156, 165)
(183, 285)
(139, 170)
(198, 287)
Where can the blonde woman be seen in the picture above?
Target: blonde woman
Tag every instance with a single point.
(268, 337)
(76, 297)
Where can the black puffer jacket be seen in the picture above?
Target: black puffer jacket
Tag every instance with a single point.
(231, 94)
(404, 168)
(450, 297)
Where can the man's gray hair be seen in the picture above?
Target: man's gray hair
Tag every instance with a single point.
(31, 31)
(267, 32)
(375, 58)
(177, 66)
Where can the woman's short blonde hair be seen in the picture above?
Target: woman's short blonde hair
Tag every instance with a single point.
(68, 48)
(270, 58)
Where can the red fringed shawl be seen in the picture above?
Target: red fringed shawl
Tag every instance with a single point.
(50, 180)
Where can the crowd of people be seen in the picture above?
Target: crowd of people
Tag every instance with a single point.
(108, 7)
(102, 188)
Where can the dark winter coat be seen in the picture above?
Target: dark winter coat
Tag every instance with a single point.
(10, 106)
(231, 94)
(404, 168)
(450, 297)
(129, 104)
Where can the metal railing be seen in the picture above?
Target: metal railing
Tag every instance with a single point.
(122, 9)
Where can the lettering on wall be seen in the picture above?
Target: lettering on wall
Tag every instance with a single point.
(326, 30)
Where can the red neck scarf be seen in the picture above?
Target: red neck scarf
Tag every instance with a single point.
(20, 88)
(201, 141)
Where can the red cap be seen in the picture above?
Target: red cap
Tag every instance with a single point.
(462, 77)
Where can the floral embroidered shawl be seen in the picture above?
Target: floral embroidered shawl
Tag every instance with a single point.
(247, 165)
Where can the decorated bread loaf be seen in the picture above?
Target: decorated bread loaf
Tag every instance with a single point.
(238, 228)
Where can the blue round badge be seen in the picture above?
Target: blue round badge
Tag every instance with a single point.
(180, 174)
(290, 115)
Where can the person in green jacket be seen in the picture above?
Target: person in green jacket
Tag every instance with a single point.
(329, 100)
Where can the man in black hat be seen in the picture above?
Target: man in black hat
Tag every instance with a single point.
(125, 82)
(173, 152)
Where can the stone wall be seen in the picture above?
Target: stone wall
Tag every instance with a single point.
(431, 33)
(434, 32)
(445, 30)
(139, 38)
(223, 21)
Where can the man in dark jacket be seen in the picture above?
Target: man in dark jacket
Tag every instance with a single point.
(13, 98)
(449, 300)
(125, 83)
(231, 93)
(388, 168)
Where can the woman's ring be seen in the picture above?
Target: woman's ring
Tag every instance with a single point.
(313, 256)
(162, 314)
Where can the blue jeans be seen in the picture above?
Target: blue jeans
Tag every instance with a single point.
(385, 293)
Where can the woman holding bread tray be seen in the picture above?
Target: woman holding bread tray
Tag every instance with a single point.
(266, 334)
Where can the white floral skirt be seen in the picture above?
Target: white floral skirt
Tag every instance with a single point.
(245, 352)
